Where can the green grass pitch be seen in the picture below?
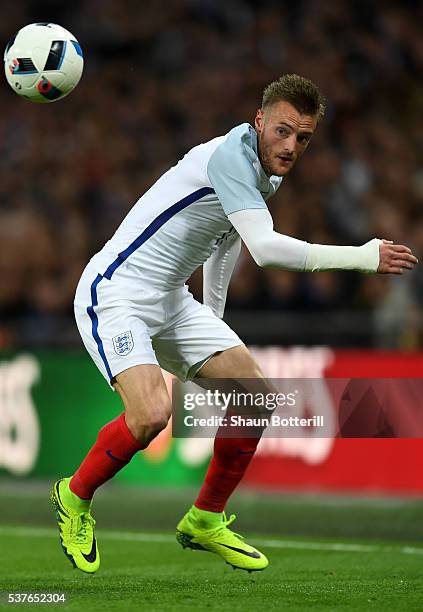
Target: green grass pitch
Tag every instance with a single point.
(369, 568)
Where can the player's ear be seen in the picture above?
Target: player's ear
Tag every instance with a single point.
(259, 121)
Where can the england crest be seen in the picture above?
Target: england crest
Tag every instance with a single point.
(123, 343)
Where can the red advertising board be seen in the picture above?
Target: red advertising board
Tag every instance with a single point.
(392, 466)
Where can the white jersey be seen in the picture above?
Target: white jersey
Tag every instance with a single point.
(179, 223)
(132, 306)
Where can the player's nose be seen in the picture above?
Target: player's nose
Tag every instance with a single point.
(290, 143)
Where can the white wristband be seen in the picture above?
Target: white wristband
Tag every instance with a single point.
(364, 258)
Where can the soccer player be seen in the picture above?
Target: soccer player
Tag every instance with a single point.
(135, 314)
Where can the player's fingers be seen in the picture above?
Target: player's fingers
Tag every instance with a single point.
(400, 248)
(402, 263)
(402, 252)
(394, 270)
(395, 266)
(405, 257)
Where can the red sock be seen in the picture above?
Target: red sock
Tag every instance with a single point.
(230, 460)
(114, 448)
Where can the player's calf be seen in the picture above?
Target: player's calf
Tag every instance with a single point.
(114, 448)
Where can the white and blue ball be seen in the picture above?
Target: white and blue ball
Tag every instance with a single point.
(43, 62)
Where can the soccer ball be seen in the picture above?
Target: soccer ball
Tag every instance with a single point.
(43, 62)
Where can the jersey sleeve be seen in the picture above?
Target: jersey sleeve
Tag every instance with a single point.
(274, 250)
(232, 175)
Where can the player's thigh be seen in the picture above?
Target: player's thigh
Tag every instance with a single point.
(236, 371)
(235, 362)
(146, 400)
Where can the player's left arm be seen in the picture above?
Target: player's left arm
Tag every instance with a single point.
(273, 250)
(217, 272)
(232, 175)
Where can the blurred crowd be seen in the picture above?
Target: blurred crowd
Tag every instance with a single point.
(161, 78)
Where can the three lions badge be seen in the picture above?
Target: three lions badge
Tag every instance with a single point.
(123, 343)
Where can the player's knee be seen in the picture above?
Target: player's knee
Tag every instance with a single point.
(157, 422)
(146, 423)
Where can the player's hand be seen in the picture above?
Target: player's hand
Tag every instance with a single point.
(395, 258)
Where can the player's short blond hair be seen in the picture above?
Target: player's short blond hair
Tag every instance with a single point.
(302, 93)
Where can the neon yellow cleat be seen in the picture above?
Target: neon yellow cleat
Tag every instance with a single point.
(203, 530)
(76, 528)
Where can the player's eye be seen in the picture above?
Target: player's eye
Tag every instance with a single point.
(303, 139)
(282, 131)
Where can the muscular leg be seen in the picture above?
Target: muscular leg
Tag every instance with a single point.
(147, 411)
(205, 526)
(236, 362)
(231, 456)
(146, 400)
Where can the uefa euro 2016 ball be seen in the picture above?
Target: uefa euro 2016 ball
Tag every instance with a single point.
(43, 62)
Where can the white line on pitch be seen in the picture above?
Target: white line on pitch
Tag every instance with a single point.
(129, 536)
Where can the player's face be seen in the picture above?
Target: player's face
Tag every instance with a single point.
(283, 136)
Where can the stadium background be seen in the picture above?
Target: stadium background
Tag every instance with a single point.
(155, 84)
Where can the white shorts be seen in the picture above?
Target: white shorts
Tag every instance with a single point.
(124, 326)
